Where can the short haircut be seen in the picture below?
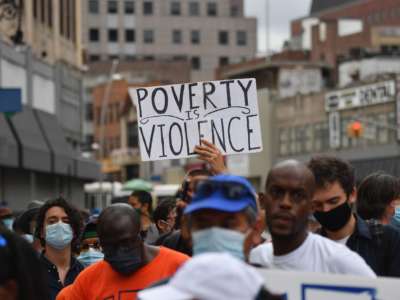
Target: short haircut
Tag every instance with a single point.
(375, 193)
(163, 210)
(74, 216)
(144, 198)
(328, 170)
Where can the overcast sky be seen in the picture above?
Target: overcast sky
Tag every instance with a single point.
(281, 13)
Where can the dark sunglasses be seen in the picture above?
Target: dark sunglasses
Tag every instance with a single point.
(231, 190)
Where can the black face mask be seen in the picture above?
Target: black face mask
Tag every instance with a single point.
(125, 262)
(334, 219)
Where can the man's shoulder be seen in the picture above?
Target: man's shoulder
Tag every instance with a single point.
(94, 270)
(262, 254)
(172, 255)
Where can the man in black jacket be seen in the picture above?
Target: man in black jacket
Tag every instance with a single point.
(378, 244)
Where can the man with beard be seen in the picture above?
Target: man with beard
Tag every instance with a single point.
(129, 264)
(378, 244)
(289, 190)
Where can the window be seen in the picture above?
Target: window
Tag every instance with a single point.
(129, 7)
(194, 9)
(94, 57)
(112, 7)
(234, 11)
(195, 37)
(130, 35)
(212, 9)
(94, 35)
(132, 131)
(113, 57)
(148, 57)
(148, 36)
(130, 57)
(196, 64)
(89, 112)
(223, 37)
(177, 37)
(50, 13)
(175, 8)
(113, 35)
(93, 6)
(147, 8)
(241, 38)
(223, 61)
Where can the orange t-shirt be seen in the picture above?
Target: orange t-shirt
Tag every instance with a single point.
(101, 282)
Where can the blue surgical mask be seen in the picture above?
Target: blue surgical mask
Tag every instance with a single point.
(8, 223)
(397, 214)
(218, 239)
(90, 257)
(59, 235)
(28, 237)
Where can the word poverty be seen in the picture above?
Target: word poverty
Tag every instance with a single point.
(173, 119)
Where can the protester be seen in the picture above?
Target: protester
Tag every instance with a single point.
(129, 265)
(212, 276)
(180, 240)
(289, 191)
(6, 217)
(59, 229)
(164, 217)
(90, 249)
(378, 196)
(223, 216)
(25, 225)
(379, 245)
(22, 276)
(142, 201)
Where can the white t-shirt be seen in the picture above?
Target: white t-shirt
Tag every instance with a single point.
(316, 254)
(342, 241)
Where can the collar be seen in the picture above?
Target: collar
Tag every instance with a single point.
(362, 228)
(74, 262)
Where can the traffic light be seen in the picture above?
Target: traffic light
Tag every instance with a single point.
(355, 129)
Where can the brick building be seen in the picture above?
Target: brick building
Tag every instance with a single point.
(338, 29)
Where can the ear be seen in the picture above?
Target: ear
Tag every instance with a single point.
(353, 196)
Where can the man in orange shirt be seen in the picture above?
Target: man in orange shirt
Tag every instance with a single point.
(129, 265)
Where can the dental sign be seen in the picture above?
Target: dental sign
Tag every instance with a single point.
(361, 96)
(172, 119)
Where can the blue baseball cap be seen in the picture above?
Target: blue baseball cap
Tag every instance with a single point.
(217, 199)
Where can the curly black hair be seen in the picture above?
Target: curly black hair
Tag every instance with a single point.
(330, 169)
(375, 193)
(20, 263)
(74, 216)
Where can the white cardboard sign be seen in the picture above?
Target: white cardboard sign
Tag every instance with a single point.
(172, 119)
(316, 286)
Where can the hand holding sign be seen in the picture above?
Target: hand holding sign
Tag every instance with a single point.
(174, 119)
(210, 153)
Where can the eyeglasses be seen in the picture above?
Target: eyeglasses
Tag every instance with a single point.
(231, 190)
(95, 245)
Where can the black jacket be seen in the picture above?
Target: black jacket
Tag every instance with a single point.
(54, 283)
(378, 244)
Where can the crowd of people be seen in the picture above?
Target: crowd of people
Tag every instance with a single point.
(207, 242)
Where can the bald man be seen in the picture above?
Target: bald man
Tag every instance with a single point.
(129, 265)
(289, 190)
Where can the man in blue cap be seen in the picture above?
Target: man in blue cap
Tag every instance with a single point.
(224, 216)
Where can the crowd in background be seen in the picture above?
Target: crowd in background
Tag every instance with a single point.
(209, 240)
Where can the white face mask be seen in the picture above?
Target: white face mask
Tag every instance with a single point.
(59, 235)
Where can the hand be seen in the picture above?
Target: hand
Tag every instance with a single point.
(210, 153)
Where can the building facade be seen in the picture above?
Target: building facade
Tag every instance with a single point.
(40, 55)
(205, 33)
(336, 30)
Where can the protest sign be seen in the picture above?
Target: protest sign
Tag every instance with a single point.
(172, 119)
(316, 286)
